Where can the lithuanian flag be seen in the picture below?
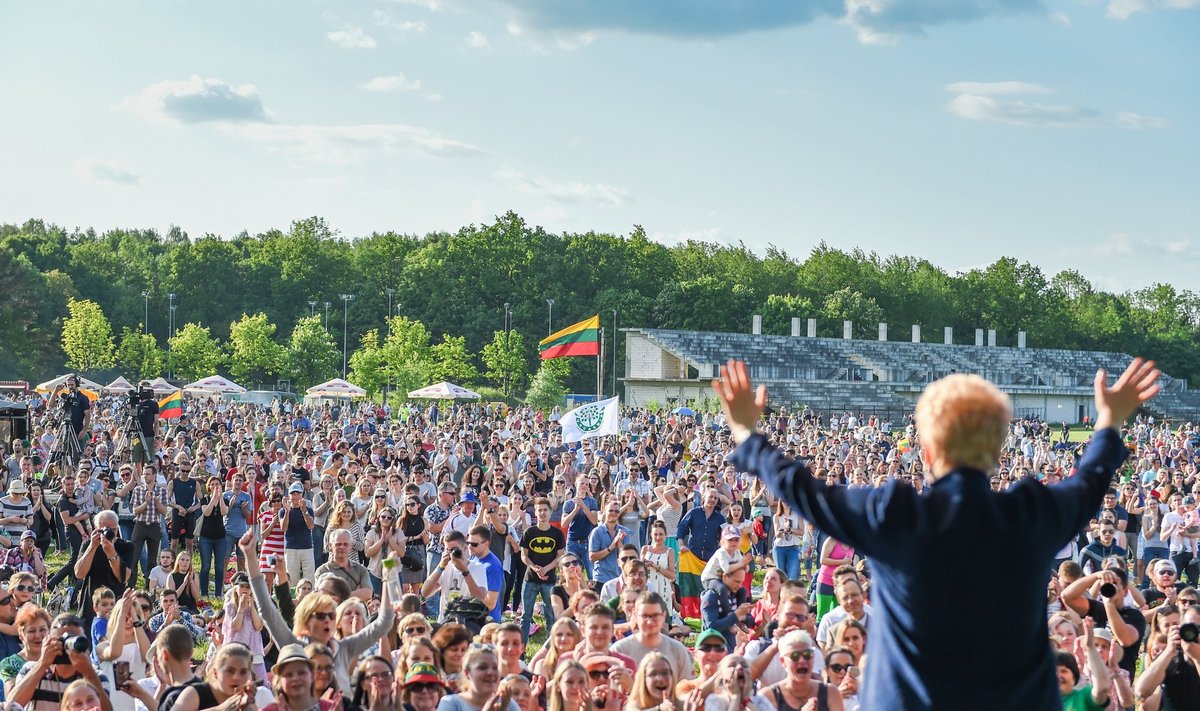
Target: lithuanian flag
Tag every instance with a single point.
(690, 587)
(171, 406)
(581, 339)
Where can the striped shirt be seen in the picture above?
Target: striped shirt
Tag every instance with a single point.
(9, 507)
(48, 694)
(151, 514)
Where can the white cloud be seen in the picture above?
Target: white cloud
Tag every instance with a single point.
(995, 88)
(434, 98)
(1060, 17)
(383, 19)
(396, 82)
(198, 100)
(1123, 9)
(351, 144)
(430, 5)
(575, 192)
(477, 40)
(1121, 244)
(1128, 119)
(990, 101)
(352, 38)
(576, 41)
(107, 171)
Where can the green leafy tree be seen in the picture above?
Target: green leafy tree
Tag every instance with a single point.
(846, 304)
(195, 353)
(366, 364)
(407, 355)
(545, 390)
(452, 361)
(140, 355)
(312, 356)
(780, 309)
(87, 336)
(505, 361)
(253, 355)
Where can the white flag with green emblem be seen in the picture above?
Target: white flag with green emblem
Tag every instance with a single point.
(595, 419)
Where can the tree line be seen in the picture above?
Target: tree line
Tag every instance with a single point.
(269, 305)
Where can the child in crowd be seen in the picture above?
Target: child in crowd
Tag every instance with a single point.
(728, 557)
(103, 601)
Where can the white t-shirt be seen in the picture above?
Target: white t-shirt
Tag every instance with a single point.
(454, 585)
(720, 562)
(1179, 542)
(775, 673)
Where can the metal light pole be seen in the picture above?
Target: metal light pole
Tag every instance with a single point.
(550, 322)
(146, 319)
(326, 317)
(312, 309)
(506, 313)
(614, 347)
(170, 334)
(388, 388)
(346, 299)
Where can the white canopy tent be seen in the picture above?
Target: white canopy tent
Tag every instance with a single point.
(444, 391)
(214, 385)
(336, 388)
(84, 383)
(161, 386)
(120, 385)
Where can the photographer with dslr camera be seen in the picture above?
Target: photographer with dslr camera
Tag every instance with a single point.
(456, 575)
(106, 561)
(144, 408)
(1175, 674)
(76, 407)
(65, 657)
(1126, 623)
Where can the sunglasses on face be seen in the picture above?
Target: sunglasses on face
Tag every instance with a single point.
(423, 688)
(25, 588)
(415, 630)
(805, 654)
(840, 668)
(598, 674)
(327, 616)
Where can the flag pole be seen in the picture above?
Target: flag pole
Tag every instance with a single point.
(600, 368)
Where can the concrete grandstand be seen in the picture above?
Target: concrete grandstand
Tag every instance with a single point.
(876, 376)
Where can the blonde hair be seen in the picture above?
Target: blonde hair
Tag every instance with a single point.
(232, 649)
(550, 661)
(963, 420)
(312, 603)
(342, 609)
(554, 697)
(641, 688)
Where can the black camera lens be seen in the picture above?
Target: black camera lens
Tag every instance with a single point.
(1189, 632)
(1108, 590)
(456, 553)
(110, 534)
(73, 643)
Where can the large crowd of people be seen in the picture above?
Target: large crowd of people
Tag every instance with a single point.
(358, 556)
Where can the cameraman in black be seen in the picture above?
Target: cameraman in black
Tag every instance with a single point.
(1175, 674)
(145, 413)
(76, 406)
(65, 657)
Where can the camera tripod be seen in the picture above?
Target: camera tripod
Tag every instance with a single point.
(66, 445)
(123, 450)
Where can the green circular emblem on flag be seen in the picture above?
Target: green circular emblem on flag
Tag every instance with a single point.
(589, 418)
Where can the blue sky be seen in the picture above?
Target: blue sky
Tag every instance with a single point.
(1063, 132)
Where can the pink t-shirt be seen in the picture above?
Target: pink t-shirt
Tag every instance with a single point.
(840, 550)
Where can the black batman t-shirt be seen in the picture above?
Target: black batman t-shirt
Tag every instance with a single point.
(543, 547)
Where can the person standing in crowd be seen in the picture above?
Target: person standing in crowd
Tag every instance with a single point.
(963, 422)
(542, 549)
(150, 505)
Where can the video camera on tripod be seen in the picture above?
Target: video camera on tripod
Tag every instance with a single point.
(139, 395)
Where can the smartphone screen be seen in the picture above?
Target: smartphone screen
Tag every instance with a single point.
(120, 674)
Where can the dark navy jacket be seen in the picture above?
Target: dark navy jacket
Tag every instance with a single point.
(958, 574)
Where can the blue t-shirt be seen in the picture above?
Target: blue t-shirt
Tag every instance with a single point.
(581, 526)
(235, 520)
(495, 581)
(184, 492)
(298, 535)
